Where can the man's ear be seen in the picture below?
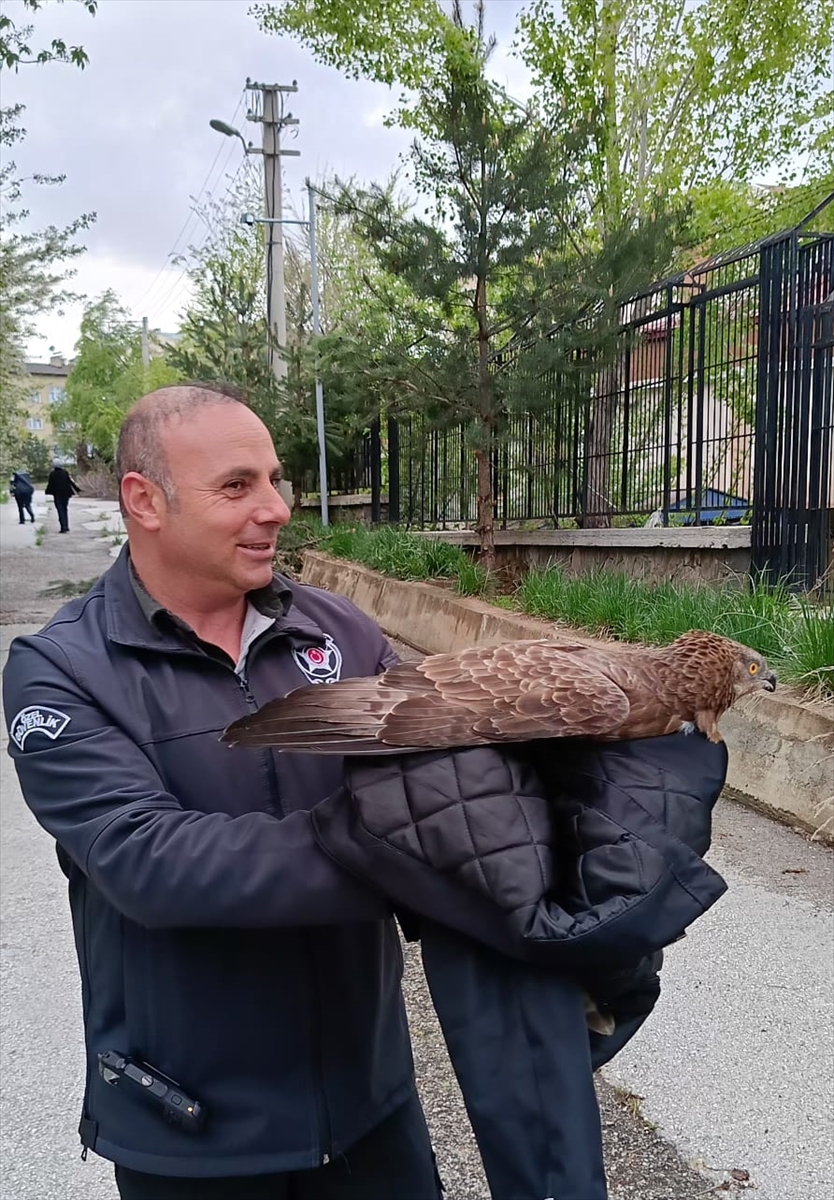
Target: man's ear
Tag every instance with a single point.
(143, 501)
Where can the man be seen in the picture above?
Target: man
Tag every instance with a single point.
(219, 947)
(61, 487)
(20, 486)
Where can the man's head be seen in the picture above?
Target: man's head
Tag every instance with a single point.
(198, 479)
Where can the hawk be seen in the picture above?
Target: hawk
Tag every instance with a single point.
(516, 692)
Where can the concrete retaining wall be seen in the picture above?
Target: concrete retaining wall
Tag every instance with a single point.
(781, 748)
(691, 555)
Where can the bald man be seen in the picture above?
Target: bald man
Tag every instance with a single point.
(245, 1030)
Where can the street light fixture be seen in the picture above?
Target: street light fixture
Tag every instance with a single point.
(230, 131)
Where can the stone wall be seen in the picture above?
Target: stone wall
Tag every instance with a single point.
(710, 554)
(356, 507)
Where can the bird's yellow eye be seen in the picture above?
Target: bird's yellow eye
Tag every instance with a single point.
(753, 668)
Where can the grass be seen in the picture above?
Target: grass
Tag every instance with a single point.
(794, 634)
(394, 552)
(40, 534)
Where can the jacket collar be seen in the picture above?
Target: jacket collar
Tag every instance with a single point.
(134, 618)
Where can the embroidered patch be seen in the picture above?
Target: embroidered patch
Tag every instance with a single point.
(320, 664)
(37, 719)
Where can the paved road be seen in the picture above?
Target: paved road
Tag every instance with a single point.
(736, 1068)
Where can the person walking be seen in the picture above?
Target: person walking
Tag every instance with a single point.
(61, 487)
(21, 487)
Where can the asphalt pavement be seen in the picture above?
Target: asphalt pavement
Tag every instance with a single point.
(728, 1089)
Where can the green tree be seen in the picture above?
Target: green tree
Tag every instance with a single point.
(496, 261)
(686, 93)
(684, 112)
(34, 266)
(108, 374)
(224, 333)
(391, 41)
(224, 336)
(15, 48)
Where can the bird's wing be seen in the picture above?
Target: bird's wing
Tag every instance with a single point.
(337, 718)
(515, 692)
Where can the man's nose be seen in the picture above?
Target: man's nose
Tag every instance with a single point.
(274, 509)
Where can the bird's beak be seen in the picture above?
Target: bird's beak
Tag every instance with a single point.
(770, 682)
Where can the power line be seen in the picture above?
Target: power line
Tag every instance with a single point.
(178, 283)
(192, 211)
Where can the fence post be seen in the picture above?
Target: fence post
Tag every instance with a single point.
(393, 471)
(376, 472)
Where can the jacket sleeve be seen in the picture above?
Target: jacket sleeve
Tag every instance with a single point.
(98, 794)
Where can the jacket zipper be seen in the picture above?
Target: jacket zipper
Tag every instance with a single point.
(325, 1134)
(85, 968)
(319, 1096)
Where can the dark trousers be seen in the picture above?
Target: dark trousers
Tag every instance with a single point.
(392, 1162)
(24, 505)
(62, 509)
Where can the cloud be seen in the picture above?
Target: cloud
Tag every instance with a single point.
(131, 132)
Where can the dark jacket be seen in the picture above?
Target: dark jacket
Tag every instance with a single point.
(21, 486)
(60, 484)
(532, 869)
(216, 940)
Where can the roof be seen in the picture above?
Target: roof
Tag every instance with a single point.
(47, 369)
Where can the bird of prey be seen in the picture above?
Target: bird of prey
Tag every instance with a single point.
(516, 692)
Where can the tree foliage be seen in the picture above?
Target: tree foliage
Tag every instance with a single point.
(34, 265)
(108, 374)
(224, 336)
(15, 48)
(685, 93)
(497, 259)
(389, 41)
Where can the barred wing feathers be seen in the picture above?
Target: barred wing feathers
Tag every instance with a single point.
(516, 692)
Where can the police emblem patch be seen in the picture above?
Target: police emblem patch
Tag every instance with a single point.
(37, 719)
(320, 664)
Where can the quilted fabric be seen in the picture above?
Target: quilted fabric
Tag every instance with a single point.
(568, 852)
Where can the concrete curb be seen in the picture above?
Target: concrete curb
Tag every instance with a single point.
(781, 747)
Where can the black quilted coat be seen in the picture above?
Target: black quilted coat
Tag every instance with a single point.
(534, 872)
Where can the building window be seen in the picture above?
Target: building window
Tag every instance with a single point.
(56, 395)
(34, 424)
(35, 398)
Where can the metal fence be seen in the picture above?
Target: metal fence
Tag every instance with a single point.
(719, 408)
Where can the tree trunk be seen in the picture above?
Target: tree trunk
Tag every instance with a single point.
(486, 511)
(297, 493)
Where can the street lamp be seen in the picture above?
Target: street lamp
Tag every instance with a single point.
(230, 131)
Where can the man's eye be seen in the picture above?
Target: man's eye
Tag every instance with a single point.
(234, 485)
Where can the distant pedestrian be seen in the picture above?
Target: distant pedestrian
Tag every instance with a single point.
(61, 487)
(20, 486)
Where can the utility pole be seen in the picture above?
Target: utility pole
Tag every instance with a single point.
(273, 121)
(146, 346)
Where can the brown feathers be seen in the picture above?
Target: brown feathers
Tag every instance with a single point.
(516, 692)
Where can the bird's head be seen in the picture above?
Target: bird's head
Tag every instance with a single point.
(708, 656)
(751, 673)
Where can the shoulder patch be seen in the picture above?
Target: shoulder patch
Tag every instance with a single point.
(320, 664)
(37, 719)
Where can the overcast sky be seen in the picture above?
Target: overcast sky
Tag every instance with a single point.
(131, 133)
